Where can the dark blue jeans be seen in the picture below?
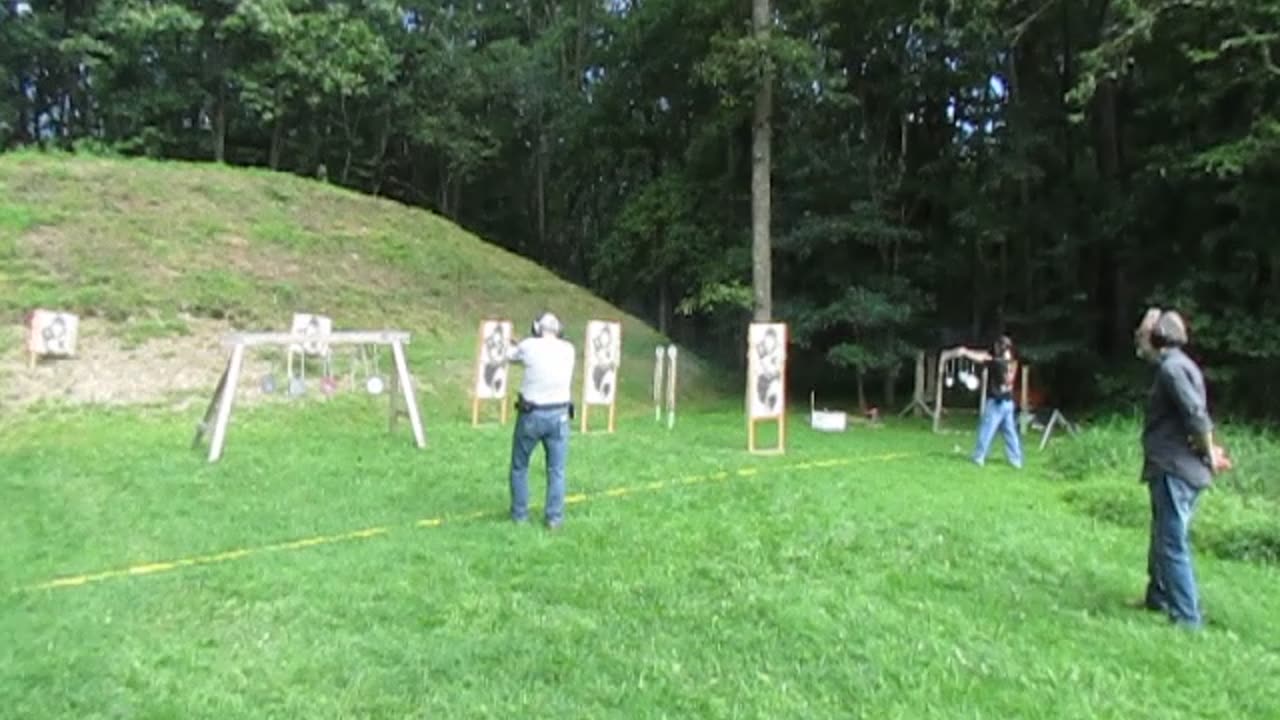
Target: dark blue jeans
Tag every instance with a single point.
(551, 429)
(1171, 583)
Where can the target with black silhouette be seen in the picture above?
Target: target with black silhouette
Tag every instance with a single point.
(492, 365)
(766, 381)
(602, 355)
(51, 334)
(310, 326)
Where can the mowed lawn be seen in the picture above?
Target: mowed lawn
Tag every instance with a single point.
(327, 569)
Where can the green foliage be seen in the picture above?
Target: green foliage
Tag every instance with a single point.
(717, 296)
(921, 146)
(1236, 518)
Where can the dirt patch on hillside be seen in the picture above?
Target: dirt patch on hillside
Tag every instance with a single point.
(178, 371)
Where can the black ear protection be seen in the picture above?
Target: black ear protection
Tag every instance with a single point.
(1159, 340)
(1169, 330)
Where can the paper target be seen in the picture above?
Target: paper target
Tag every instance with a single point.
(311, 325)
(491, 363)
(766, 363)
(603, 351)
(53, 333)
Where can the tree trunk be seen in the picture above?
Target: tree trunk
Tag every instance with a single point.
(540, 189)
(862, 391)
(890, 386)
(1113, 300)
(277, 139)
(664, 306)
(220, 126)
(761, 166)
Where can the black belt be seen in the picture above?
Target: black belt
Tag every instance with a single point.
(557, 406)
(525, 406)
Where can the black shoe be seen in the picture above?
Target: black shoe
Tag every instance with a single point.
(1143, 604)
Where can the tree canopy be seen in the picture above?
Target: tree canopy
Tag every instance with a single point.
(941, 171)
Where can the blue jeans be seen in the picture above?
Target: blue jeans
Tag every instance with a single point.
(999, 415)
(551, 428)
(1171, 583)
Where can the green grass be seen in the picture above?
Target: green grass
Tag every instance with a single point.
(1239, 523)
(133, 240)
(870, 574)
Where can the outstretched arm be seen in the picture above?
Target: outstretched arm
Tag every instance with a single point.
(974, 355)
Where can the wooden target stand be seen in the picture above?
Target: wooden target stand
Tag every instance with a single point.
(401, 395)
(781, 416)
(782, 436)
(476, 400)
(929, 382)
(586, 379)
(475, 409)
(586, 411)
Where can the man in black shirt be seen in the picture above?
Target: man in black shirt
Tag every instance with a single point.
(999, 413)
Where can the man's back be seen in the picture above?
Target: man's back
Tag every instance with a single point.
(548, 370)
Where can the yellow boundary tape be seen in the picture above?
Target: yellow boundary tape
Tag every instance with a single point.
(229, 555)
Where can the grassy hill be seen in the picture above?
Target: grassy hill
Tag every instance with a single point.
(151, 251)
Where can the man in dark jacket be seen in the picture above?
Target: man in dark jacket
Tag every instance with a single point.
(1179, 461)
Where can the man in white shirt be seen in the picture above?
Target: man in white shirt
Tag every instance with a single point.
(545, 409)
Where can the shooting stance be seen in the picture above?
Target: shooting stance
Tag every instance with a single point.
(999, 413)
(544, 408)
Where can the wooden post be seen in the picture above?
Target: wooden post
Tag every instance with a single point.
(393, 393)
(203, 427)
(982, 393)
(586, 406)
(937, 403)
(1024, 412)
(659, 359)
(406, 386)
(919, 392)
(1024, 390)
(224, 404)
(930, 379)
(475, 396)
(671, 386)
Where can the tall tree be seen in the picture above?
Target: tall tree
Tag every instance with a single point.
(761, 170)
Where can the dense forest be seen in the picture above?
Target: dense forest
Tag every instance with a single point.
(941, 171)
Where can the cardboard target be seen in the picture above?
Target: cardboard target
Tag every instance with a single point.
(311, 325)
(603, 352)
(766, 370)
(52, 333)
(491, 360)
